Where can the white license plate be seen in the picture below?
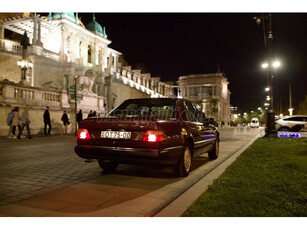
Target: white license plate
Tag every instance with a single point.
(115, 135)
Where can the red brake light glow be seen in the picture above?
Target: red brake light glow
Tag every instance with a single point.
(83, 134)
(153, 136)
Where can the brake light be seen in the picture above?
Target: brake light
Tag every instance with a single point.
(83, 134)
(153, 136)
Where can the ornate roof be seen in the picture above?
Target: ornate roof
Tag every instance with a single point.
(68, 15)
(96, 28)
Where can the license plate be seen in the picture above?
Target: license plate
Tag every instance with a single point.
(115, 135)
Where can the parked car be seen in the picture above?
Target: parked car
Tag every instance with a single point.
(163, 131)
(291, 123)
(254, 122)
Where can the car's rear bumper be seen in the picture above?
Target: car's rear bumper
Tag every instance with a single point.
(167, 156)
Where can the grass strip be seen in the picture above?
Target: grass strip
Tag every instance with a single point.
(269, 179)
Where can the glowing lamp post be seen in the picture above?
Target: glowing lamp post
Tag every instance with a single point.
(266, 21)
(24, 64)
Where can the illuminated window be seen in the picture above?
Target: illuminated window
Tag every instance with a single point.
(206, 91)
(194, 91)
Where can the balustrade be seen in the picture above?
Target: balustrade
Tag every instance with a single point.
(51, 97)
(20, 93)
(51, 55)
(11, 46)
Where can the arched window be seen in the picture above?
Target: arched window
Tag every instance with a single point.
(89, 54)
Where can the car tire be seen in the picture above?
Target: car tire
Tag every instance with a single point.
(107, 166)
(297, 128)
(183, 168)
(214, 153)
(286, 129)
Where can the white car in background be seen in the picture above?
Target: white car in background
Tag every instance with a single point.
(291, 123)
(254, 123)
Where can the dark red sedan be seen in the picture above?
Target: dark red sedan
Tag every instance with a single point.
(160, 131)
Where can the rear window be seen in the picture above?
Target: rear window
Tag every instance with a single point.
(294, 119)
(160, 108)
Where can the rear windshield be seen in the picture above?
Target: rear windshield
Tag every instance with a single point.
(160, 108)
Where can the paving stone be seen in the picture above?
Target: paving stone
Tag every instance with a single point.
(39, 166)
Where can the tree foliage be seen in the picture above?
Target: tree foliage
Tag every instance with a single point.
(302, 107)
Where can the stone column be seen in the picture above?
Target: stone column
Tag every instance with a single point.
(1, 32)
(39, 33)
(34, 41)
(116, 63)
(62, 54)
(108, 92)
(101, 85)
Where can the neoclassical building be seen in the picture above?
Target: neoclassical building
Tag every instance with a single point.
(60, 50)
(209, 90)
(42, 57)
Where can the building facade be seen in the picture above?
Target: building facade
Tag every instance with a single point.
(42, 57)
(210, 91)
(61, 49)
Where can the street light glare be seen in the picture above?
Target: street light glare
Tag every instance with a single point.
(265, 65)
(276, 64)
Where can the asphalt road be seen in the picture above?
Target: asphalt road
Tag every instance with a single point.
(44, 177)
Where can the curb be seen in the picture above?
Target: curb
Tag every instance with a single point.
(178, 206)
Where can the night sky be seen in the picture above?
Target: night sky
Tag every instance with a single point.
(171, 45)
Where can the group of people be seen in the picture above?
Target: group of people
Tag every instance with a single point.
(92, 114)
(15, 120)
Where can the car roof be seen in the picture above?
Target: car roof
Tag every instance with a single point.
(160, 98)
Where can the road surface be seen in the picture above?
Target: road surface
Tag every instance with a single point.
(44, 177)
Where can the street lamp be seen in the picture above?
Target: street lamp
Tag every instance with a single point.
(276, 64)
(24, 65)
(268, 38)
(265, 65)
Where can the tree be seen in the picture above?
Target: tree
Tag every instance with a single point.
(263, 116)
(211, 106)
(302, 107)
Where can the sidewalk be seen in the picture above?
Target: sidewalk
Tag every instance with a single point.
(25, 137)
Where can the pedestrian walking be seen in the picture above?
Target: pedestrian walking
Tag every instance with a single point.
(47, 121)
(90, 114)
(9, 119)
(79, 116)
(94, 114)
(25, 122)
(16, 121)
(65, 122)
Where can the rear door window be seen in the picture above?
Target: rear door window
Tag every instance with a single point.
(190, 111)
(294, 119)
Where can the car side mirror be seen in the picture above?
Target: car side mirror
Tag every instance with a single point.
(210, 121)
(207, 121)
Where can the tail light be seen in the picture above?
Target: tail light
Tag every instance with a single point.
(83, 134)
(153, 136)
